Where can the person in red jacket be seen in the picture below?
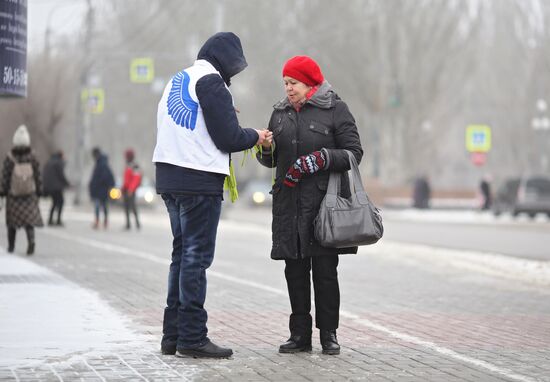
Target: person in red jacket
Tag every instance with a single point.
(132, 180)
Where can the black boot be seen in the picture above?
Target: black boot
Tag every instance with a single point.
(296, 344)
(30, 248)
(208, 350)
(30, 240)
(11, 239)
(329, 342)
(168, 348)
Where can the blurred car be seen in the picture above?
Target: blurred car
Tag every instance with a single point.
(145, 194)
(257, 193)
(530, 195)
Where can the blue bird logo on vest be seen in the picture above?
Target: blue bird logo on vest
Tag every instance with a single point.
(181, 106)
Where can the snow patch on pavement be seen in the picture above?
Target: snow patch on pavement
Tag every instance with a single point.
(53, 319)
(530, 271)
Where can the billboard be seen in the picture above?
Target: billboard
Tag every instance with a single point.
(13, 48)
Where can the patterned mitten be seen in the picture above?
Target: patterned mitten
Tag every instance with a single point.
(306, 164)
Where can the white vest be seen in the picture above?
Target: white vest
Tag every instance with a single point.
(182, 137)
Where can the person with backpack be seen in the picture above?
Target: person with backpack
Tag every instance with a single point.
(132, 180)
(21, 185)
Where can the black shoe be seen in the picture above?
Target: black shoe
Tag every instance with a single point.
(296, 344)
(30, 249)
(329, 342)
(11, 248)
(208, 350)
(168, 349)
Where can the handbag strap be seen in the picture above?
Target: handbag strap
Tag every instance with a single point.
(356, 184)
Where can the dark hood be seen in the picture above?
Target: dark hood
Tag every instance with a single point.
(102, 159)
(225, 53)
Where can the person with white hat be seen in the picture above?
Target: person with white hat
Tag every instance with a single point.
(21, 185)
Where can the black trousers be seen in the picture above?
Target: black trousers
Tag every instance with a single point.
(57, 206)
(130, 207)
(327, 293)
(12, 231)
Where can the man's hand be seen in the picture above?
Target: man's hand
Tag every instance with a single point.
(265, 137)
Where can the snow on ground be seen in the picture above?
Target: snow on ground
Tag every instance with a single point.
(42, 315)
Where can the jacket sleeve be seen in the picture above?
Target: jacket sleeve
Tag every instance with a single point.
(127, 178)
(61, 173)
(346, 137)
(220, 116)
(268, 158)
(7, 168)
(37, 176)
(135, 180)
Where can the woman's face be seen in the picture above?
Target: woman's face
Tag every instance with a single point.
(295, 90)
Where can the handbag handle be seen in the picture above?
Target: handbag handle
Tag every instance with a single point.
(356, 184)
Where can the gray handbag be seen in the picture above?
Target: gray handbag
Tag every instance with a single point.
(349, 222)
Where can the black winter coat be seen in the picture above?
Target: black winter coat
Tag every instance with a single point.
(102, 179)
(324, 121)
(54, 174)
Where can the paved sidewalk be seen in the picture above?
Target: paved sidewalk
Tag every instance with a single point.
(88, 306)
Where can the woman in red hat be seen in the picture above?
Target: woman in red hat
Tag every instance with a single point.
(312, 127)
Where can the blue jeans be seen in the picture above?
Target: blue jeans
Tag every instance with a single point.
(194, 221)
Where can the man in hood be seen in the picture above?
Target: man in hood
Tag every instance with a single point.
(197, 130)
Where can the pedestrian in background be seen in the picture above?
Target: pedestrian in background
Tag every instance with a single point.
(312, 129)
(132, 180)
(421, 193)
(485, 192)
(101, 182)
(21, 185)
(55, 183)
(197, 129)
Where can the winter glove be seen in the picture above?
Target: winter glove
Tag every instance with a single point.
(306, 164)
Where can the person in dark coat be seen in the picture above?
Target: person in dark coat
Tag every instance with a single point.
(486, 195)
(312, 127)
(55, 183)
(421, 193)
(21, 206)
(101, 182)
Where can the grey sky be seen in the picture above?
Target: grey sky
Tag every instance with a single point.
(63, 17)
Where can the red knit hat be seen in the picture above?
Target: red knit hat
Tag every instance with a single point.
(303, 69)
(129, 154)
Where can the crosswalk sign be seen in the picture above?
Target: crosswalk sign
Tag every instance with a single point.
(93, 100)
(478, 138)
(142, 70)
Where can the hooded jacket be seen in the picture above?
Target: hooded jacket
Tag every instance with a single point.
(194, 141)
(54, 174)
(102, 179)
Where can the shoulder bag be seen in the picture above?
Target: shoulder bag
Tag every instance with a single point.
(349, 222)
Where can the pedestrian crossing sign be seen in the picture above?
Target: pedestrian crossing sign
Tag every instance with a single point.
(478, 138)
(142, 70)
(93, 100)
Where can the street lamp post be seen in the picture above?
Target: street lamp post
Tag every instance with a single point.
(541, 123)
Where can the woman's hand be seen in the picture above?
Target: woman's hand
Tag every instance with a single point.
(265, 138)
(305, 165)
